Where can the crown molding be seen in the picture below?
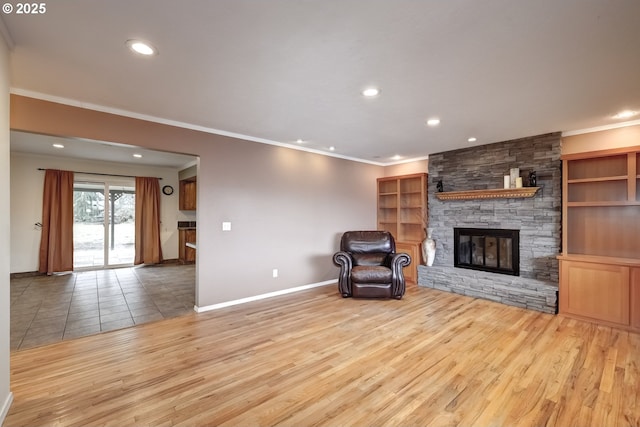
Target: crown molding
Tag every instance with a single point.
(601, 128)
(134, 115)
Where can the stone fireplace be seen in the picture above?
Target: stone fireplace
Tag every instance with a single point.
(537, 220)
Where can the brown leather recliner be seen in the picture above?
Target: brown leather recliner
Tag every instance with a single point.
(370, 266)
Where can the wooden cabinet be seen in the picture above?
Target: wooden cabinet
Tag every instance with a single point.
(402, 206)
(635, 298)
(186, 255)
(187, 197)
(596, 291)
(414, 251)
(601, 237)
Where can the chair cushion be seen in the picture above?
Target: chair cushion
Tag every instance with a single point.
(375, 258)
(371, 290)
(371, 274)
(367, 241)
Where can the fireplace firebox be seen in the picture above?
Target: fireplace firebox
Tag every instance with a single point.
(494, 250)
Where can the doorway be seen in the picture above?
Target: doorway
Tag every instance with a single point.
(104, 223)
(99, 298)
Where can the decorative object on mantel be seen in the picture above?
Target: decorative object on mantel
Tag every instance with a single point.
(514, 174)
(439, 186)
(532, 179)
(429, 248)
(507, 181)
(498, 193)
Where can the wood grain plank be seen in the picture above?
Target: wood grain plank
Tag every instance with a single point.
(316, 359)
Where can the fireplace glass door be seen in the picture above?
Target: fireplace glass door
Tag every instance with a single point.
(494, 250)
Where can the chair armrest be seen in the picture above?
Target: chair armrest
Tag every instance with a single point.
(398, 261)
(343, 259)
(345, 262)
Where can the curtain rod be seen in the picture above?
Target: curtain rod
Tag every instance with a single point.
(101, 174)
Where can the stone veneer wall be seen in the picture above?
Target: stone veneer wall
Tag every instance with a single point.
(537, 218)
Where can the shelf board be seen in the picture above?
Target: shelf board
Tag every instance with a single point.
(497, 193)
(601, 179)
(601, 204)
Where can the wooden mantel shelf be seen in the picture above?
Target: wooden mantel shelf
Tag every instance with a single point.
(497, 193)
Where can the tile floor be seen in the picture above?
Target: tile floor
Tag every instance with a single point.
(48, 309)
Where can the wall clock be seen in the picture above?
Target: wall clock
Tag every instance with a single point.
(167, 189)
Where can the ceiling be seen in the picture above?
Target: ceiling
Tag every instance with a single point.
(281, 70)
(22, 142)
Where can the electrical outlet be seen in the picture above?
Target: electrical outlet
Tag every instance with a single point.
(275, 272)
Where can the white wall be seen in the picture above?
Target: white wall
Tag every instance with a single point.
(26, 202)
(5, 393)
(288, 210)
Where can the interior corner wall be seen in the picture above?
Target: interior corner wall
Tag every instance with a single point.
(5, 391)
(288, 208)
(418, 166)
(27, 184)
(628, 136)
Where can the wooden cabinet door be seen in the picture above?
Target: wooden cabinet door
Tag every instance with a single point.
(190, 253)
(182, 248)
(596, 291)
(186, 255)
(635, 298)
(187, 198)
(413, 249)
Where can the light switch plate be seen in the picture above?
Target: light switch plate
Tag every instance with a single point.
(226, 226)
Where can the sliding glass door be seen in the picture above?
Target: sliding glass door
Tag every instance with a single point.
(104, 228)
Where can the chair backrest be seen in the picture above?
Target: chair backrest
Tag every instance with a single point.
(362, 242)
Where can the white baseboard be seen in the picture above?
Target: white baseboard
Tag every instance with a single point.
(4, 410)
(263, 296)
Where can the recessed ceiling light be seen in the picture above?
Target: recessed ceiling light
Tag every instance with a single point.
(396, 157)
(299, 141)
(137, 156)
(58, 145)
(143, 48)
(433, 122)
(472, 139)
(371, 92)
(625, 114)
(332, 148)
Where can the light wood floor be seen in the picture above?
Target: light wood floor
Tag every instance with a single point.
(313, 358)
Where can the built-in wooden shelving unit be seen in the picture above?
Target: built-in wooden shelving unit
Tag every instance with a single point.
(600, 261)
(402, 204)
